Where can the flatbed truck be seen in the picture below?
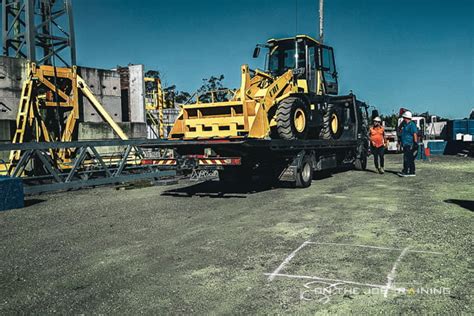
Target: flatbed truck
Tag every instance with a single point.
(245, 159)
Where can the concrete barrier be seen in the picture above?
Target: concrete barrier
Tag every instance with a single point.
(11, 193)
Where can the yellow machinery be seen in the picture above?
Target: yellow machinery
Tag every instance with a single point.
(46, 89)
(154, 105)
(288, 101)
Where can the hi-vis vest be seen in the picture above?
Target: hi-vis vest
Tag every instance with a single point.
(376, 136)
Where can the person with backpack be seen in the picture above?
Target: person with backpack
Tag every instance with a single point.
(409, 142)
(377, 144)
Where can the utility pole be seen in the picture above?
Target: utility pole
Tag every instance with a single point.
(321, 20)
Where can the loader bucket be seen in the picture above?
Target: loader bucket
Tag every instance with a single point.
(242, 116)
(245, 115)
(221, 120)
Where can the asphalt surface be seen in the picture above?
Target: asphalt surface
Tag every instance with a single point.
(374, 243)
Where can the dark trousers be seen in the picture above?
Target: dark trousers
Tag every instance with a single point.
(378, 153)
(408, 160)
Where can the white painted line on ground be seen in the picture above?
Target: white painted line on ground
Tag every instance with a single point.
(351, 245)
(293, 276)
(286, 261)
(423, 251)
(391, 275)
(373, 247)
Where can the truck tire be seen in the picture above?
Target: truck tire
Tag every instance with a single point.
(304, 175)
(362, 152)
(332, 124)
(292, 118)
(360, 163)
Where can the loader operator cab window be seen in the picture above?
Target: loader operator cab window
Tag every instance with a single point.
(312, 82)
(284, 56)
(329, 69)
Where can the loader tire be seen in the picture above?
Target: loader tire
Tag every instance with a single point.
(292, 118)
(332, 124)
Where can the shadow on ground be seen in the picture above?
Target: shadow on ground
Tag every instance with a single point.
(467, 204)
(31, 202)
(217, 189)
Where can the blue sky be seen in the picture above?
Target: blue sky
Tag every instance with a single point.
(392, 53)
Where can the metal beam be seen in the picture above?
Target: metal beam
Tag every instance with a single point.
(40, 30)
(92, 143)
(29, 190)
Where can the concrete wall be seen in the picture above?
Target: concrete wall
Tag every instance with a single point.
(94, 131)
(12, 74)
(5, 137)
(105, 85)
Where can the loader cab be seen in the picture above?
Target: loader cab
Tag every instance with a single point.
(309, 60)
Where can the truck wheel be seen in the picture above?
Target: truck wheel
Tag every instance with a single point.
(362, 152)
(332, 124)
(360, 163)
(292, 117)
(304, 176)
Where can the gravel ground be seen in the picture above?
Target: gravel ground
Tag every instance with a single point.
(203, 248)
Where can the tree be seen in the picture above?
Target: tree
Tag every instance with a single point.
(390, 120)
(174, 96)
(150, 86)
(213, 89)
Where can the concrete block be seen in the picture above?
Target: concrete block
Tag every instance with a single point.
(137, 93)
(11, 193)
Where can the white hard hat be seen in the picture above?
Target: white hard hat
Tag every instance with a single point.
(377, 119)
(407, 115)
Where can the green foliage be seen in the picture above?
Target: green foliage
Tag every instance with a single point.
(150, 86)
(172, 94)
(212, 89)
(390, 120)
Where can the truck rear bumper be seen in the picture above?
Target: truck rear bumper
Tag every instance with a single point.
(194, 162)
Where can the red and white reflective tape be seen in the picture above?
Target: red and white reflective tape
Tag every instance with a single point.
(162, 162)
(219, 162)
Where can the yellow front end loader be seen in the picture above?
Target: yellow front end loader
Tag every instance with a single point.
(290, 100)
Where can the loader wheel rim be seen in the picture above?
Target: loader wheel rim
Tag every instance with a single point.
(299, 120)
(334, 124)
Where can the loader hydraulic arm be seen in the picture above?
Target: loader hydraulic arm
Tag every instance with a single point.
(279, 87)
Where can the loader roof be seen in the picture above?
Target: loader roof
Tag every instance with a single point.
(301, 36)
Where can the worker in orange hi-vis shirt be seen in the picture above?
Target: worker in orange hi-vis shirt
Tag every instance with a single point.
(377, 144)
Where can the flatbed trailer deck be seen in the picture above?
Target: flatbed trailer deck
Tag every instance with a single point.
(239, 160)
